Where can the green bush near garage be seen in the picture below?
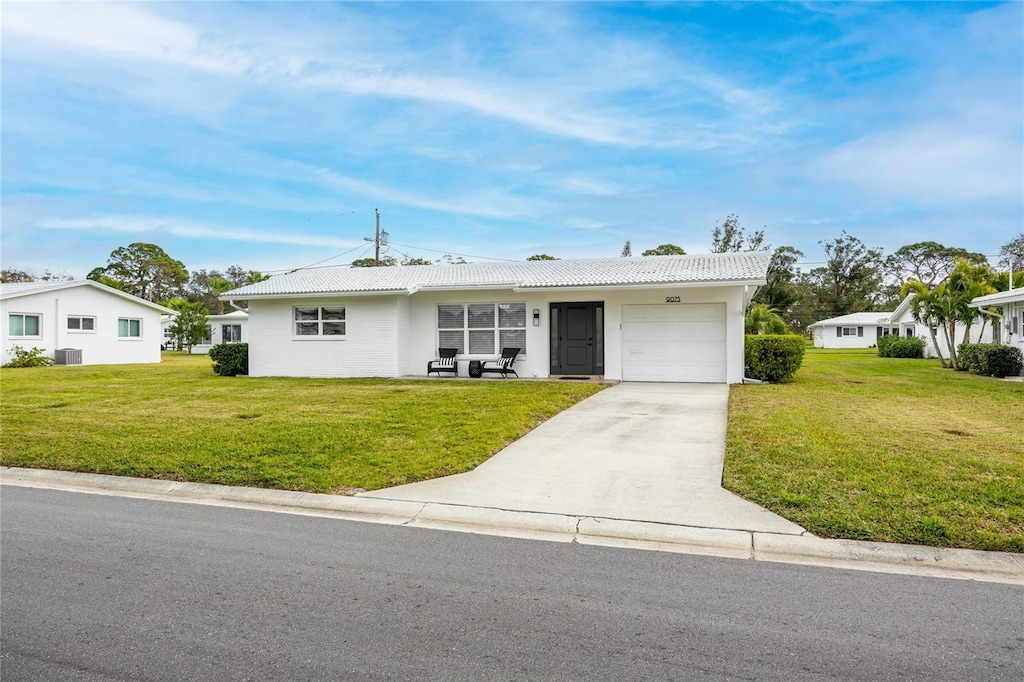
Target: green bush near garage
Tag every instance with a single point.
(773, 357)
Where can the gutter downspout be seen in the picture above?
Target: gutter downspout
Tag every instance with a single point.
(231, 302)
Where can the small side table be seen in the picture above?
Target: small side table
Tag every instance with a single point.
(476, 369)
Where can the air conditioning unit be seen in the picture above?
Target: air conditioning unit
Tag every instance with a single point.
(68, 356)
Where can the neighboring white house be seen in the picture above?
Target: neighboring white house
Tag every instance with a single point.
(856, 330)
(105, 325)
(656, 318)
(231, 327)
(982, 330)
(862, 330)
(1009, 321)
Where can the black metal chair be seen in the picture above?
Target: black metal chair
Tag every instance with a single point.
(502, 365)
(446, 363)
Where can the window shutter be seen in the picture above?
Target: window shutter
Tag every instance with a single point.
(839, 331)
(860, 331)
(878, 332)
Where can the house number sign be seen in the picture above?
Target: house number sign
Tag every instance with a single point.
(671, 299)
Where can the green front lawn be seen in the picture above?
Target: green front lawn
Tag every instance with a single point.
(179, 421)
(884, 449)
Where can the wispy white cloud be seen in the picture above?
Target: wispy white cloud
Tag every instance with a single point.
(585, 107)
(935, 164)
(139, 225)
(122, 30)
(486, 203)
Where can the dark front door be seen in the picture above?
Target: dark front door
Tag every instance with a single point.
(577, 338)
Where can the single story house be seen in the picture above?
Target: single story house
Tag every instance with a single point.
(862, 330)
(230, 327)
(655, 318)
(982, 330)
(80, 322)
(856, 330)
(1008, 322)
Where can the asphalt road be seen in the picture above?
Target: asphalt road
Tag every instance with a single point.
(108, 588)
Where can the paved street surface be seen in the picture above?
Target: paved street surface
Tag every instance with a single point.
(112, 588)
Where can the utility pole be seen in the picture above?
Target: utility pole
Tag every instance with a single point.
(379, 239)
(376, 240)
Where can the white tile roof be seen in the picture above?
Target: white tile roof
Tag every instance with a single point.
(855, 319)
(1011, 296)
(725, 268)
(16, 289)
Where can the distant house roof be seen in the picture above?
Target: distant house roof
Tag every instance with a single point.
(1011, 296)
(18, 289)
(854, 319)
(702, 270)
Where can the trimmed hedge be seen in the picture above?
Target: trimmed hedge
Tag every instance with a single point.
(230, 359)
(990, 359)
(896, 346)
(773, 357)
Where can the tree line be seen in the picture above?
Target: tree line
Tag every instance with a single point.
(853, 278)
(857, 278)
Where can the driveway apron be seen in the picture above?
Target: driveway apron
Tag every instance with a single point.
(635, 451)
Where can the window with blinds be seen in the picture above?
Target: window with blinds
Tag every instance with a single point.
(481, 328)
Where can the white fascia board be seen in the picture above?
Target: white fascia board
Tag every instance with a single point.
(319, 294)
(511, 286)
(657, 285)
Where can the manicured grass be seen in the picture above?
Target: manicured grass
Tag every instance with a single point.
(884, 449)
(179, 421)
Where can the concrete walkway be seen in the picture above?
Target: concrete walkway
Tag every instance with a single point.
(636, 452)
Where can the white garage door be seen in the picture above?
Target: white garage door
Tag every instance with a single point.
(674, 342)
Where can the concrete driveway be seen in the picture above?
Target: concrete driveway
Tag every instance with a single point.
(635, 451)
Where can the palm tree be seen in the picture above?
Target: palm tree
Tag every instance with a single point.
(761, 319)
(218, 286)
(927, 309)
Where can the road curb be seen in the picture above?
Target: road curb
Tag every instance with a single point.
(805, 549)
(890, 558)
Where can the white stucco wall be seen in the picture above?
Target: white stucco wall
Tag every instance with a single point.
(1012, 311)
(397, 335)
(100, 346)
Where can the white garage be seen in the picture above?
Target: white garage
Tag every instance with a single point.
(674, 342)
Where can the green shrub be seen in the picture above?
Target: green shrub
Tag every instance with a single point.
(230, 359)
(773, 357)
(896, 346)
(884, 344)
(990, 359)
(28, 358)
(968, 356)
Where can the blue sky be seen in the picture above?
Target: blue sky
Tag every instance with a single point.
(265, 135)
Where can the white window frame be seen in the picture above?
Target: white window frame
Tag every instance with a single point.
(130, 336)
(497, 329)
(23, 335)
(81, 320)
(849, 331)
(320, 323)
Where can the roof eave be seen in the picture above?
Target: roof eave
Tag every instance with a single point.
(647, 285)
(317, 294)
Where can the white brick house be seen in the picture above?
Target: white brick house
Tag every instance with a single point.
(659, 318)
